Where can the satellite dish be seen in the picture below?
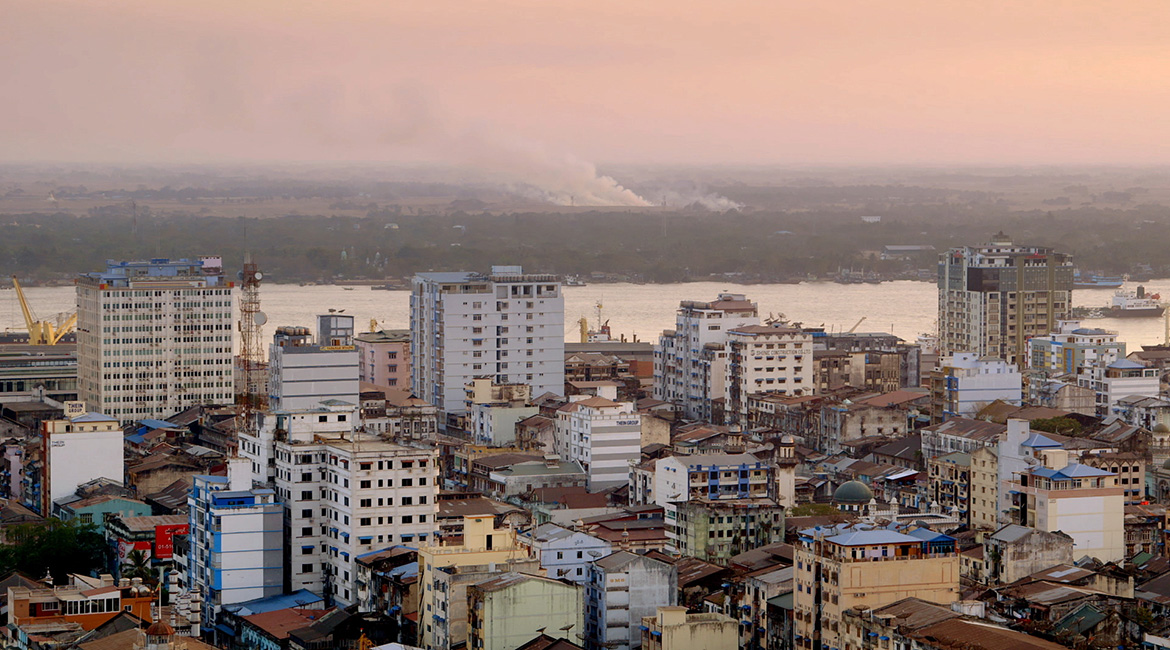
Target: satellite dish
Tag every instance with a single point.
(258, 275)
(260, 318)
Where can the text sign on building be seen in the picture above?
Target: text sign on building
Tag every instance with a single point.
(74, 409)
(164, 539)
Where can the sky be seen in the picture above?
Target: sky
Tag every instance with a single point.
(621, 81)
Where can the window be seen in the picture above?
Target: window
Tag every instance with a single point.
(307, 531)
(86, 518)
(366, 503)
(306, 495)
(407, 519)
(322, 418)
(406, 501)
(364, 521)
(407, 482)
(306, 568)
(364, 484)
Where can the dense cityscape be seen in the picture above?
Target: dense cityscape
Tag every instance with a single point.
(172, 480)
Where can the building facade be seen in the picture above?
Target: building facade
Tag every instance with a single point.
(154, 337)
(963, 384)
(603, 436)
(839, 568)
(766, 358)
(303, 372)
(236, 539)
(621, 590)
(505, 325)
(993, 297)
(384, 358)
(76, 451)
(690, 360)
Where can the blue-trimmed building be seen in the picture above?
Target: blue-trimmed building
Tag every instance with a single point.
(236, 541)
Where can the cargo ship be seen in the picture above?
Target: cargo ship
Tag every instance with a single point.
(1135, 304)
(1096, 281)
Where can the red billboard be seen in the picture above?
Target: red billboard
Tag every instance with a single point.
(164, 539)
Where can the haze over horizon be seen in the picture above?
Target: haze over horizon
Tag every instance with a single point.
(520, 84)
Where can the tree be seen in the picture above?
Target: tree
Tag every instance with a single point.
(55, 547)
(137, 566)
(1064, 426)
(814, 510)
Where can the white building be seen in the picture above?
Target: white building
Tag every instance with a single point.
(966, 383)
(603, 436)
(564, 554)
(303, 372)
(345, 494)
(154, 337)
(1080, 501)
(1122, 378)
(507, 325)
(689, 361)
(236, 540)
(766, 358)
(1071, 346)
(78, 450)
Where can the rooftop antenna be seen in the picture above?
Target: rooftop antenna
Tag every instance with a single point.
(251, 356)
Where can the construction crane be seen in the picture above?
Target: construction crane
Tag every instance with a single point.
(43, 332)
(856, 325)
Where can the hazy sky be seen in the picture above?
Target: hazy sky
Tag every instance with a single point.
(611, 81)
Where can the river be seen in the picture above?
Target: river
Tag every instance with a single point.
(642, 310)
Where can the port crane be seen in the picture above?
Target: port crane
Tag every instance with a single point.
(43, 332)
(857, 324)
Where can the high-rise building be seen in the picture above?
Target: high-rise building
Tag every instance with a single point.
(992, 298)
(384, 358)
(506, 325)
(303, 372)
(236, 539)
(154, 337)
(690, 361)
(344, 493)
(766, 358)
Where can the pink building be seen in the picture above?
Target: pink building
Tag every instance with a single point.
(384, 358)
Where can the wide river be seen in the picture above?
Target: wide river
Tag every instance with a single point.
(642, 310)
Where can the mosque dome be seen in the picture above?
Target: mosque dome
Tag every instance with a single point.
(853, 493)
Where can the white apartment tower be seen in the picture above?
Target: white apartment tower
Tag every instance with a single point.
(994, 297)
(154, 337)
(690, 360)
(766, 358)
(507, 326)
(344, 494)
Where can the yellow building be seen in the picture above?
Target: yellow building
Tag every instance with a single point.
(482, 545)
(848, 566)
(674, 629)
(507, 611)
(984, 492)
(1080, 501)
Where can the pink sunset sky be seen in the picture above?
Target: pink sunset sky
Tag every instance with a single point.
(611, 81)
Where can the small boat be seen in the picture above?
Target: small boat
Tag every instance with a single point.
(574, 281)
(1135, 304)
(347, 288)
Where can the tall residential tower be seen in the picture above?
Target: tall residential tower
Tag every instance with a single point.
(992, 298)
(154, 337)
(507, 326)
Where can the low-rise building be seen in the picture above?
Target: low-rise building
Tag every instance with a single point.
(508, 610)
(564, 554)
(620, 591)
(715, 530)
(1083, 502)
(949, 483)
(1015, 551)
(384, 358)
(963, 383)
(672, 628)
(482, 544)
(844, 567)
